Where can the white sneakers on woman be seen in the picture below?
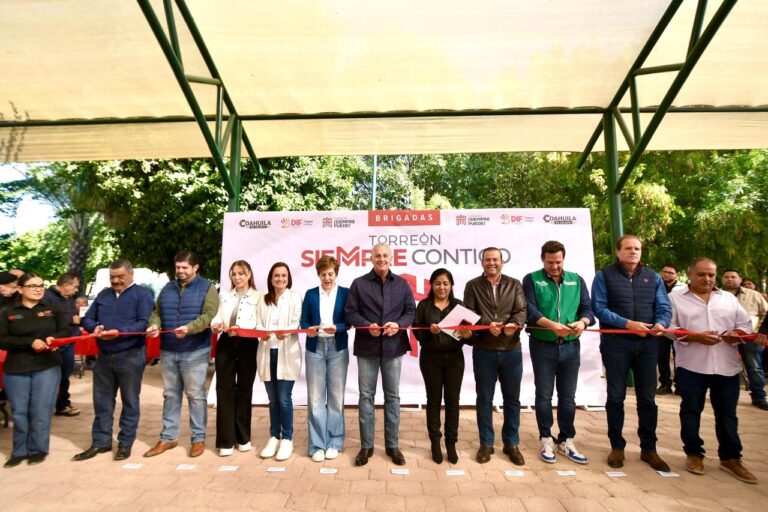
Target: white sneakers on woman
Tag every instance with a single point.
(270, 449)
(331, 453)
(318, 456)
(226, 452)
(285, 450)
(244, 447)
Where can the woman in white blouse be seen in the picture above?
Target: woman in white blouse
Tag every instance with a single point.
(235, 360)
(279, 357)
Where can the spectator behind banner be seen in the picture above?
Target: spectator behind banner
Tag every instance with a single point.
(124, 307)
(708, 362)
(8, 288)
(185, 306)
(32, 369)
(235, 360)
(669, 274)
(751, 352)
(629, 295)
(63, 295)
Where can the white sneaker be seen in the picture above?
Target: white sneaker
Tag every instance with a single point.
(331, 453)
(318, 456)
(569, 449)
(285, 450)
(226, 452)
(270, 449)
(547, 452)
(244, 447)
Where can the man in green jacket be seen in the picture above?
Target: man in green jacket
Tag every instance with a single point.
(558, 311)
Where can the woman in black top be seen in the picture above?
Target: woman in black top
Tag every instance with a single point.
(32, 369)
(441, 362)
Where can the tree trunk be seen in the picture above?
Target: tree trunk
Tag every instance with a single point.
(81, 233)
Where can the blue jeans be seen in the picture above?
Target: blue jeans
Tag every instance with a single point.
(32, 396)
(367, 377)
(67, 365)
(280, 402)
(506, 366)
(724, 396)
(752, 357)
(326, 381)
(123, 371)
(555, 363)
(641, 356)
(184, 372)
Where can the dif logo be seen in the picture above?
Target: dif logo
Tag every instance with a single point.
(291, 223)
(511, 219)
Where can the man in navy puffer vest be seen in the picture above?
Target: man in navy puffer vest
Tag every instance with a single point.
(628, 295)
(186, 306)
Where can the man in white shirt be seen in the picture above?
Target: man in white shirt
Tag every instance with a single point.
(708, 360)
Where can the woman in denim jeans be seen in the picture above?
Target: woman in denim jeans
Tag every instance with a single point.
(32, 369)
(327, 360)
(278, 357)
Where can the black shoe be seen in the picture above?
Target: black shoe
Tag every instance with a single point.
(761, 405)
(92, 452)
(36, 458)
(361, 459)
(484, 453)
(13, 462)
(664, 390)
(437, 454)
(396, 455)
(453, 457)
(513, 452)
(123, 452)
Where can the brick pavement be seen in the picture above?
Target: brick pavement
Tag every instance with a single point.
(102, 484)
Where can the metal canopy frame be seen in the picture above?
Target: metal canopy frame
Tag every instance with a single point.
(229, 129)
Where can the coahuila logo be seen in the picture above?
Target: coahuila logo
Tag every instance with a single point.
(560, 219)
(570, 283)
(542, 283)
(254, 224)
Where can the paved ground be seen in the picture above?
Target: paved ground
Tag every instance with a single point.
(158, 484)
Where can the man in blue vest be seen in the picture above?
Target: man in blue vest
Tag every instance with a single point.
(559, 310)
(629, 295)
(123, 307)
(186, 306)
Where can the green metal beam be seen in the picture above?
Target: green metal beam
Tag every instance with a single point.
(172, 33)
(698, 22)
(234, 163)
(693, 57)
(612, 170)
(666, 18)
(186, 88)
(665, 68)
(623, 126)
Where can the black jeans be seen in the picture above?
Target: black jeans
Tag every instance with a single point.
(442, 371)
(235, 373)
(724, 396)
(666, 347)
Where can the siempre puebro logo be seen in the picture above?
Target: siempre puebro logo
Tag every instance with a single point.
(404, 217)
(254, 224)
(560, 219)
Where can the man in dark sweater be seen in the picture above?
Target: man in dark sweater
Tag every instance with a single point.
(124, 307)
(63, 294)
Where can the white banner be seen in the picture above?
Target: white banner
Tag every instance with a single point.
(421, 241)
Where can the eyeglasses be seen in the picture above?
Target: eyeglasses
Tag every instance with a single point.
(34, 286)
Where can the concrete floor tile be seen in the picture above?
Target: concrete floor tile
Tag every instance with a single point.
(424, 503)
(540, 504)
(384, 503)
(345, 502)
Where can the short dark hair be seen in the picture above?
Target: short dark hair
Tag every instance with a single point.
(66, 278)
(698, 260)
(121, 263)
(732, 270)
(552, 247)
(482, 253)
(437, 273)
(187, 256)
(625, 237)
(671, 265)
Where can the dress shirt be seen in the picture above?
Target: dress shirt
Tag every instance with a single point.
(722, 313)
(327, 303)
(753, 303)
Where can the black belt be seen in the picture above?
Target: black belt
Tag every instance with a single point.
(558, 341)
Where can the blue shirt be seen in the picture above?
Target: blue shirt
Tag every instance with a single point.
(127, 313)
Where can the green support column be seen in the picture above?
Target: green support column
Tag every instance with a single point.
(612, 169)
(234, 164)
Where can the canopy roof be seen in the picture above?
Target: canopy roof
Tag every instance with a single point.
(88, 80)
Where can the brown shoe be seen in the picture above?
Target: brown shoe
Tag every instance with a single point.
(737, 469)
(514, 454)
(695, 464)
(197, 449)
(161, 447)
(616, 458)
(652, 459)
(361, 459)
(396, 455)
(484, 453)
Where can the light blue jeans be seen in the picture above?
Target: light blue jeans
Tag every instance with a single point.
(367, 376)
(326, 380)
(33, 397)
(184, 372)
